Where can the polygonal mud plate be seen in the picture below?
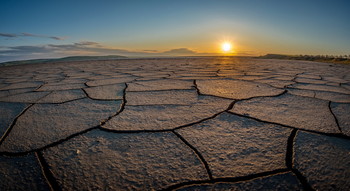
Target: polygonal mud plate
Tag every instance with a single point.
(323, 160)
(44, 124)
(236, 146)
(100, 160)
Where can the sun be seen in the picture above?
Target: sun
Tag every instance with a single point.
(226, 47)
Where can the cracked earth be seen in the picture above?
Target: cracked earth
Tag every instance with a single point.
(175, 124)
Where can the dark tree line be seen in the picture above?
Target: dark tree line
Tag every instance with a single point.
(330, 58)
(323, 57)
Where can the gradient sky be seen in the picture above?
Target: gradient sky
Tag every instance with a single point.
(45, 29)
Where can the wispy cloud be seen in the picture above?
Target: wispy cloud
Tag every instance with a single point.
(148, 50)
(82, 48)
(61, 50)
(86, 47)
(87, 43)
(12, 35)
(181, 51)
(43, 36)
(8, 35)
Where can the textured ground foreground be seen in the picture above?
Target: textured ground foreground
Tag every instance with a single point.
(175, 124)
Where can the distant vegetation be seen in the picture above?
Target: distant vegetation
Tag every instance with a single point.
(344, 59)
(65, 59)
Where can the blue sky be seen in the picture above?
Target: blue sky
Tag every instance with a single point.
(45, 29)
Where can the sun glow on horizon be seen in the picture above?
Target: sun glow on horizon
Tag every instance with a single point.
(226, 47)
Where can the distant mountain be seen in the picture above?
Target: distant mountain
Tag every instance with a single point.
(65, 59)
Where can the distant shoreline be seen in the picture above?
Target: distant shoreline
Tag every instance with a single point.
(64, 59)
(325, 59)
(99, 58)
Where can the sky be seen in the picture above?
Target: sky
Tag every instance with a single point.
(51, 29)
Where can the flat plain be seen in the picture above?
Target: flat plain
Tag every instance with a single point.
(215, 123)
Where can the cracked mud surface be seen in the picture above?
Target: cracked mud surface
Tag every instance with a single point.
(175, 124)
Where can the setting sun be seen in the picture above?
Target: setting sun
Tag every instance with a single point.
(226, 47)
